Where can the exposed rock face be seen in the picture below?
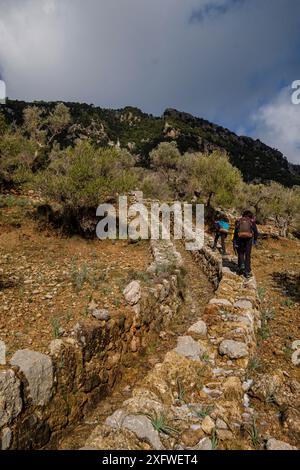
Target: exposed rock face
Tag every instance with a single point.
(10, 397)
(38, 371)
(233, 349)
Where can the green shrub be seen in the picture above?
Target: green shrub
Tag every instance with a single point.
(83, 176)
(17, 155)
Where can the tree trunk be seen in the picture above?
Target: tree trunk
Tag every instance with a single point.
(208, 204)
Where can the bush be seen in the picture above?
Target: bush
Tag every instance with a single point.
(81, 178)
(17, 155)
(165, 157)
(212, 176)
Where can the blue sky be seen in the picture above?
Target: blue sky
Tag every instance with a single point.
(229, 61)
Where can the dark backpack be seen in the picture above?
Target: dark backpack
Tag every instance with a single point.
(244, 228)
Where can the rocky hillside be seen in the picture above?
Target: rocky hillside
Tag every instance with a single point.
(140, 133)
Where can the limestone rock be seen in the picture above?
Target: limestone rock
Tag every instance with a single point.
(204, 444)
(116, 419)
(244, 304)
(142, 427)
(233, 349)
(38, 371)
(295, 355)
(10, 397)
(272, 384)
(191, 437)
(101, 314)
(87, 448)
(221, 424)
(274, 444)
(188, 347)
(208, 425)
(199, 328)
(55, 346)
(132, 292)
(106, 438)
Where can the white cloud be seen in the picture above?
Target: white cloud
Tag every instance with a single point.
(278, 125)
(150, 54)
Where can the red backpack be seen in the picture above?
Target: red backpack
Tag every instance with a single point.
(244, 228)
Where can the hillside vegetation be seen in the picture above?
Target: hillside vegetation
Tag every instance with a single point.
(140, 133)
(75, 157)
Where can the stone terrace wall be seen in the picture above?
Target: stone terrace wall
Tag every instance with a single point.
(200, 389)
(40, 395)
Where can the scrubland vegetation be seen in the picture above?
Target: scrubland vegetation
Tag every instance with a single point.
(36, 154)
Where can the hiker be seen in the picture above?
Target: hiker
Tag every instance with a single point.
(222, 229)
(245, 235)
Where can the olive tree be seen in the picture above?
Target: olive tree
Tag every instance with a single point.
(84, 176)
(283, 204)
(212, 176)
(165, 158)
(45, 128)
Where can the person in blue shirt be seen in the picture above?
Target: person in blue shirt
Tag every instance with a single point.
(222, 229)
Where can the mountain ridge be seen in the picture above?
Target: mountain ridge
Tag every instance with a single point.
(141, 132)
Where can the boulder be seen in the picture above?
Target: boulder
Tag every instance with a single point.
(38, 371)
(132, 292)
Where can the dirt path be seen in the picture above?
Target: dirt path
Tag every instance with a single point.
(198, 292)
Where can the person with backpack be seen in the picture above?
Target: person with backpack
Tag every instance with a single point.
(222, 230)
(245, 235)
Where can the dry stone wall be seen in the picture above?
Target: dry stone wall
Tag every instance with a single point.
(197, 398)
(42, 394)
